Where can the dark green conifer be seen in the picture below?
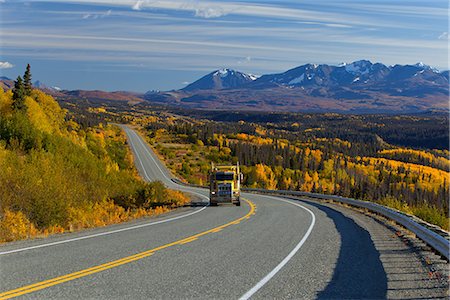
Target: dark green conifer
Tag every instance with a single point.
(27, 81)
(18, 94)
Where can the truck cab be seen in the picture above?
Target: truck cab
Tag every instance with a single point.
(225, 185)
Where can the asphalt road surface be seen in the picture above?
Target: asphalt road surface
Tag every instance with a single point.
(269, 247)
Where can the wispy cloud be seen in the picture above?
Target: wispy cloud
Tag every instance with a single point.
(443, 36)
(212, 9)
(6, 65)
(173, 53)
(365, 15)
(202, 9)
(245, 60)
(97, 15)
(260, 36)
(138, 5)
(209, 12)
(393, 9)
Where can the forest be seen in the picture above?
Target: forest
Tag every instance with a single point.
(58, 176)
(401, 161)
(363, 157)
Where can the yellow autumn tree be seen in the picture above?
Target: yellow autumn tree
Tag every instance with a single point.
(263, 177)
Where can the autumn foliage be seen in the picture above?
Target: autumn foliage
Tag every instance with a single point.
(56, 176)
(273, 157)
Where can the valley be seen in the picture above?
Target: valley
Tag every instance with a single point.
(400, 161)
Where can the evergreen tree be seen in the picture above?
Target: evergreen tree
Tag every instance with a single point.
(27, 81)
(18, 94)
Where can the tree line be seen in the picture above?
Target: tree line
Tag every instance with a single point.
(273, 157)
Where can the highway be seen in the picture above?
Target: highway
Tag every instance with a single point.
(269, 247)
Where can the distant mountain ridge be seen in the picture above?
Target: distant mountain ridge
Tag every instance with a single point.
(360, 86)
(221, 79)
(40, 85)
(6, 83)
(91, 95)
(362, 72)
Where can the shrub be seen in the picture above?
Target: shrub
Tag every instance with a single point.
(15, 226)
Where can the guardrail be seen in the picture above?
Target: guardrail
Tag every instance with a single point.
(440, 242)
(426, 232)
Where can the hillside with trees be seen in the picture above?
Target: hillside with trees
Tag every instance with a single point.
(331, 154)
(58, 175)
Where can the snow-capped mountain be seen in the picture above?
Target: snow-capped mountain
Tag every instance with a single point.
(221, 79)
(42, 86)
(7, 83)
(426, 67)
(358, 73)
(360, 86)
(359, 67)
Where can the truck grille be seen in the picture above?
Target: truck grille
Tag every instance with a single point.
(224, 189)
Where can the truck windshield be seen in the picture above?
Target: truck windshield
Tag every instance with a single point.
(224, 176)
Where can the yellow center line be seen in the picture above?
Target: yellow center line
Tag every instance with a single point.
(71, 276)
(188, 241)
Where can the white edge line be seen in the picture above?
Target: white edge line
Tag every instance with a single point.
(140, 162)
(113, 231)
(151, 156)
(272, 273)
(100, 234)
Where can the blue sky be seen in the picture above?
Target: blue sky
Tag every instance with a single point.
(139, 45)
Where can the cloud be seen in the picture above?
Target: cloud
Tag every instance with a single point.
(393, 9)
(287, 12)
(201, 9)
(185, 82)
(138, 5)
(97, 16)
(444, 36)
(210, 12)
(269, 31)
(5, 65)
(245, 60)
(335, 25)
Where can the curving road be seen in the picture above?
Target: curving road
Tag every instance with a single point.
(267, 248)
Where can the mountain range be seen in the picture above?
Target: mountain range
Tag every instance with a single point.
(361, 86)
(7, 83)
(358, 87)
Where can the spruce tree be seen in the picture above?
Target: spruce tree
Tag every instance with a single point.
(18, 94)
(27, 81)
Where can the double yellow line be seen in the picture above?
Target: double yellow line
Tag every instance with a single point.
(61, 279)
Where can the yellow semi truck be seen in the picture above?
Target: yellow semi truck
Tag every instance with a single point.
(225, 184)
